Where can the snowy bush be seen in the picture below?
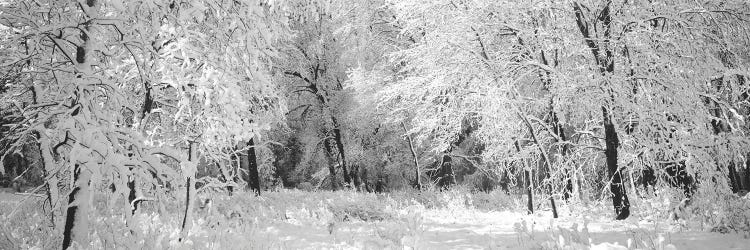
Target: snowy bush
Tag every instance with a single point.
(365, 210)
(496, 200)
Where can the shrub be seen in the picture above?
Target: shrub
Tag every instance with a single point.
(497, 200)
(361, 209)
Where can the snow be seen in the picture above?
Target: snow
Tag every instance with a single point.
(312, 220)
(493, 230)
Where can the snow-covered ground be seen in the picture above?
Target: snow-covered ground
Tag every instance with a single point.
(471, 229)
(350, 220)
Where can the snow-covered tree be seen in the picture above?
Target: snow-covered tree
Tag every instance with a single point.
(138, 91)
(560, 82)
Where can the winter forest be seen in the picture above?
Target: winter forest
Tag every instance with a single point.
(374, 124)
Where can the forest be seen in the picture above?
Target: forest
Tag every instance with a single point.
(374, 124)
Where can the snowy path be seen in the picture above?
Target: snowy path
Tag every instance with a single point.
(488, 230)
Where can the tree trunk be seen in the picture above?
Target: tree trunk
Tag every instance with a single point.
(133, 194)
(331, 167)
(253, 180)
(545, 159)
(146, 108)
(619, 197)
(342, 156)
(568, 192)
(530, 190)
(417, 179)
(77, 216)
(606, 65)
(337, 137)
(554, 121)
(554, 207)
(226, 177)
(340, 148)
(134, 199)
(50, 175)
(189, 173)
(528, 174)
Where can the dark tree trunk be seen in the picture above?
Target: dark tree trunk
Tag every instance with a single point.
(338, 140)
(342, 156)
(445, 173)
(187, 217)
(619, 197)
(417, 179)
(606, 65)
(148, 101)
(132, 195)
(529, 191)
(568, 192)
(528, 174)
(76, 218)
(253, 179)
(554, 207)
